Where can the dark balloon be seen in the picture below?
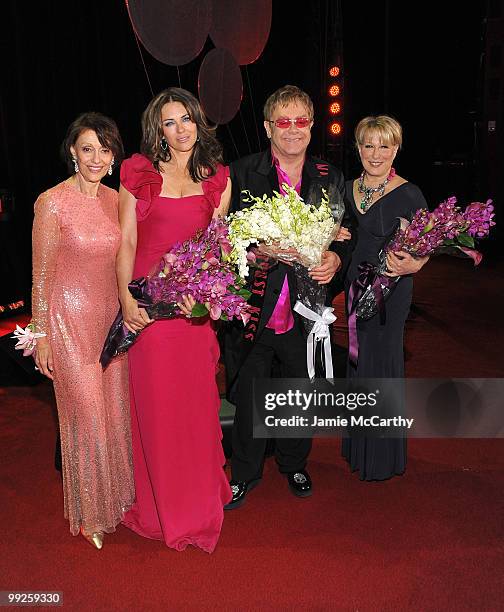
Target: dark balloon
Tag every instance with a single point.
(242, 27)
(220, 86)
(173, 31)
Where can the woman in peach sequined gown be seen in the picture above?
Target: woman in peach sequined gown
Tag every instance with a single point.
(168, 193)
(76, 236)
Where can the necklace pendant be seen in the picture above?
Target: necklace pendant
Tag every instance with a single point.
(363, 204)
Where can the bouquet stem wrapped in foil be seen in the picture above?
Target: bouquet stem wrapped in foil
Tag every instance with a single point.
(119, 338)
(376, 289)
(312, 296)
(310, 293)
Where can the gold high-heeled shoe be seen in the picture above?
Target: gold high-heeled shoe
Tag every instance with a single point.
(95, 538)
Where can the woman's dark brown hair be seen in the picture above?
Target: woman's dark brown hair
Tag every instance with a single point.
(106, 131)
(207, 151)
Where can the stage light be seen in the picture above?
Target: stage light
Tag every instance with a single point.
(335, 108)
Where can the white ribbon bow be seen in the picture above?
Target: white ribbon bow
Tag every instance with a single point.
(319, 332)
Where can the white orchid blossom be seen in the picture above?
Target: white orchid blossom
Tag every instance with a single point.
(285, 221)
(26, 339)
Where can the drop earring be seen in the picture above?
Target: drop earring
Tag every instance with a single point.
(163, 144)
(110, 168)
(76, 165)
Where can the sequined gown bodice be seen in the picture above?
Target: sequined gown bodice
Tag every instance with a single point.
(74, 301)
(78, 272)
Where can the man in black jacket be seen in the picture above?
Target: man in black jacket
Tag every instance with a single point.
(276, 331)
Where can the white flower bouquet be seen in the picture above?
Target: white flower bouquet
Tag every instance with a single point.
(303, 231)
(283, 222)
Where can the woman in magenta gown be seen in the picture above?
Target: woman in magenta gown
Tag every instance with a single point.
(167, 193)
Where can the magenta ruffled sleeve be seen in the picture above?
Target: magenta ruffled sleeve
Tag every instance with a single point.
(214, 186)
(142, 180)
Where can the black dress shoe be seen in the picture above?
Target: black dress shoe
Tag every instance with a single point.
(300, 483)
(240, 488)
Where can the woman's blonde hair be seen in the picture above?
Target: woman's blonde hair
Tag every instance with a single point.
(388, 130)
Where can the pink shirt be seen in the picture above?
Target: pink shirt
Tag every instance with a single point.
(282, 319)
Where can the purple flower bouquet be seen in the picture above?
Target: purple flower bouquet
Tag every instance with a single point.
(198, 267)
(445, 230)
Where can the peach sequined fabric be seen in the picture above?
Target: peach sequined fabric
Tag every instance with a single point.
(75, 241)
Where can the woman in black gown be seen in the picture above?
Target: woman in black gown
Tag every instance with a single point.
(380, 196)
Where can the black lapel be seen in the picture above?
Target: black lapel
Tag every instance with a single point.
(266, 169)
(315, 177)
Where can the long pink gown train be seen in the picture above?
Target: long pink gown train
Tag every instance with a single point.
(180, 483)
(74, 301)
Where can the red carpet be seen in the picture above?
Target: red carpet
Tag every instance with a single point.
(430, 540)
(9, 325)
